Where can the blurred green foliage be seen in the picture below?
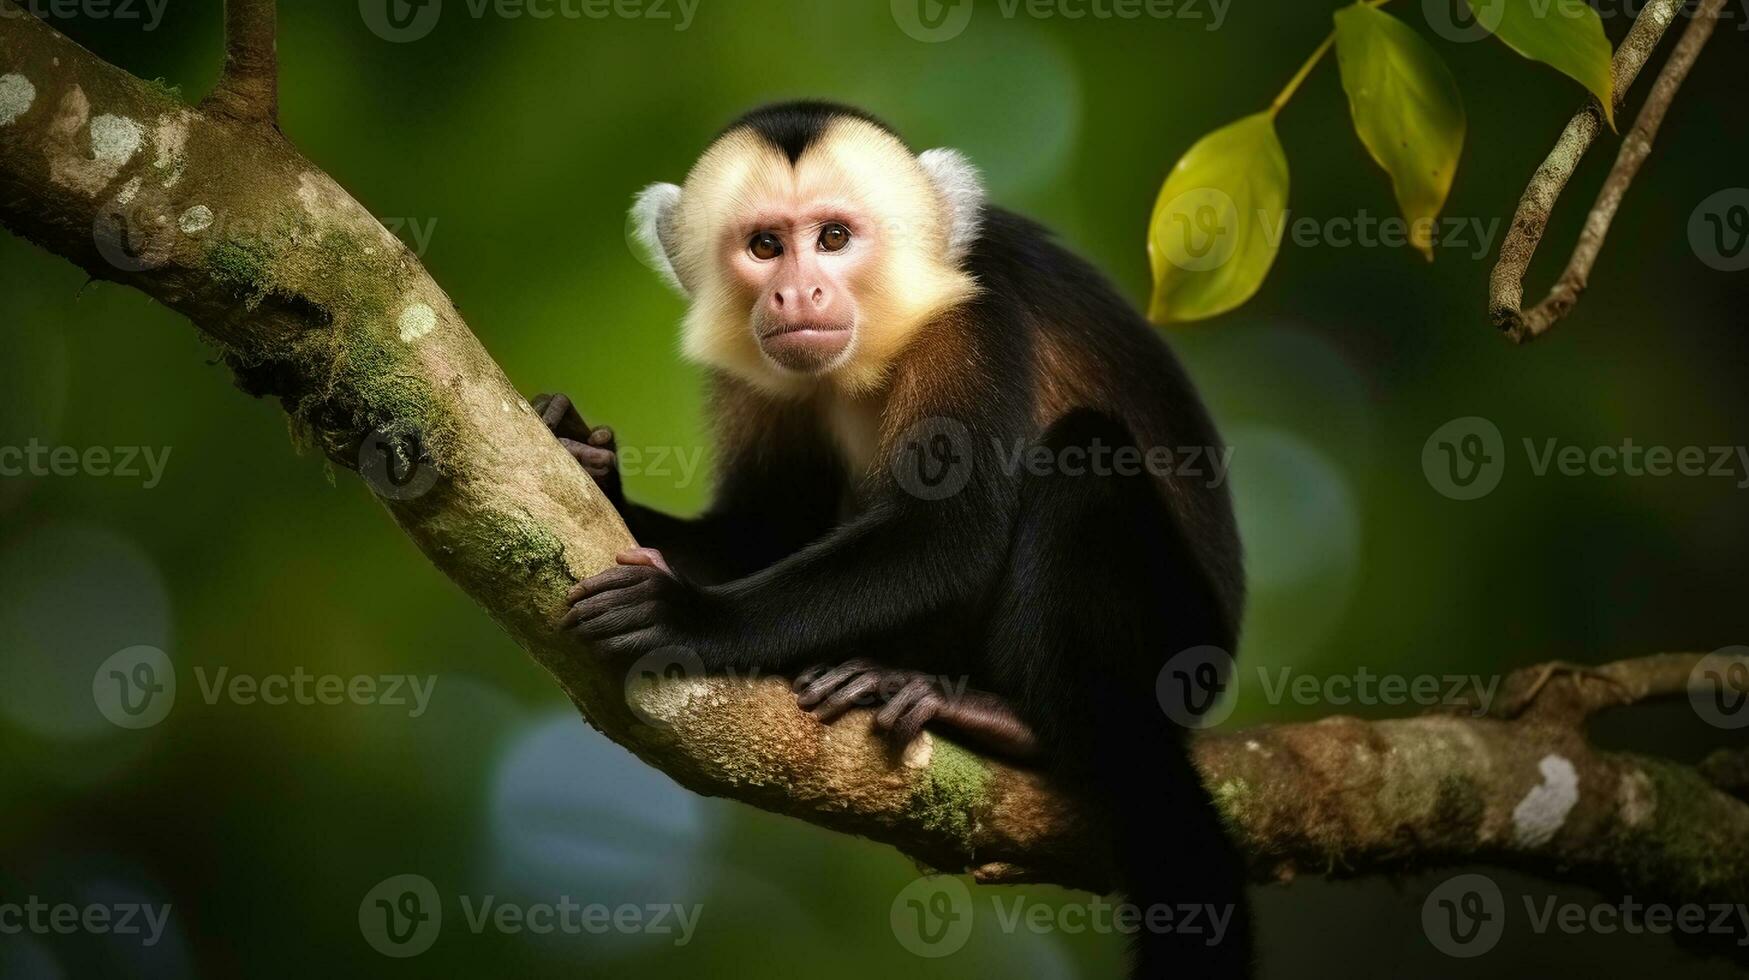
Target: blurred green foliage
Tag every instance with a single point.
(511, 146)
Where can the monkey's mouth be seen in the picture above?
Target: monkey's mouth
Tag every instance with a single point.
(802, 346)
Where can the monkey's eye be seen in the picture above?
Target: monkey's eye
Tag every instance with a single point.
(765, 246)
(834, 237)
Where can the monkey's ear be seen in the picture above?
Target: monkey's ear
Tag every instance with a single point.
(654, 217)
(962, 191)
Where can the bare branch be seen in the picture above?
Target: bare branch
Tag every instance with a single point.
(1569, 693)
(248, 91)
(1506, 284)
(308, 298)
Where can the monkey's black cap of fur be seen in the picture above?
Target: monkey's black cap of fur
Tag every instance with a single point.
(794, 126)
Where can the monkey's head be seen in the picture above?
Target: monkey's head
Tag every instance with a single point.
(812, 244)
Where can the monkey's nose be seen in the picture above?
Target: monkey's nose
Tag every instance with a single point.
(789, 300)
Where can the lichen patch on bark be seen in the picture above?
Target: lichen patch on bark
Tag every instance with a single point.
(195, 220)
(17, 95)
(1544, 809)
(416, 321)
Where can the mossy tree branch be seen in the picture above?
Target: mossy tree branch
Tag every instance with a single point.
(248, 89)
(309, 299)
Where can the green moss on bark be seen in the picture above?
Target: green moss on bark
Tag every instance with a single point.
(342, 369)
(1702, 863)
(953, 790)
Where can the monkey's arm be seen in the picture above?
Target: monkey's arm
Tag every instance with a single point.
(901, 564)
(730, 541)
(754, 521)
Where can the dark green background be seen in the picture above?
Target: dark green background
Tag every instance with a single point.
(517, 143)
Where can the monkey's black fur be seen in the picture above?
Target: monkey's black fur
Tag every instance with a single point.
(794, 126)
(1066, 594)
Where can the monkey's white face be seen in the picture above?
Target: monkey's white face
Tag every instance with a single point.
(804, 262)
(820, 269)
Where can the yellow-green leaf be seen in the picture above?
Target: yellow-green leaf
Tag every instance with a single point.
(1565, 34)
(1217, 224)
(1406, 108)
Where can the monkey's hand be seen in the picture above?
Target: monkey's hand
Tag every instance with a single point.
(909, 700)
(640, 605)
(592, 447)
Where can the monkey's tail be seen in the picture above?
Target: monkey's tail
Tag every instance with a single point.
(1177, 866)
(1125, 592)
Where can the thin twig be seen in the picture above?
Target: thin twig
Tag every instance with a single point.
(1634, 151)
(1566, 693)
(1506, 284)
(249, 88)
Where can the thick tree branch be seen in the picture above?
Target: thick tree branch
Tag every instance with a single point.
(249, 88)
(308, 298)
(1506, 284)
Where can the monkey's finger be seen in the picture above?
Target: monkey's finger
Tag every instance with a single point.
(635, 642)
(602, 436)
(616, 623)
(833, 678)
(599, 462)
(906, 730)
(552, 408)
(598, 604)
(847, 697)
(901, 702)
(617, 577)
(647, 557)
(810, 675)
(561, 417)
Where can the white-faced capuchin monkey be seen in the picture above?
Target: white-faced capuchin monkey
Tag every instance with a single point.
(913, 393)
